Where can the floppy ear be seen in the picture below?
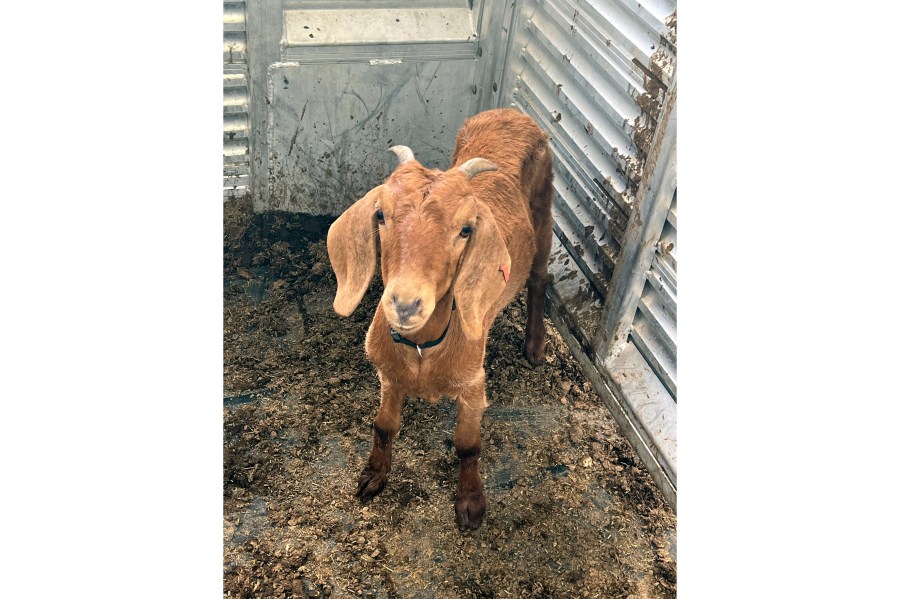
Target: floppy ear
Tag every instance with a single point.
(351, 250)
(481, 280)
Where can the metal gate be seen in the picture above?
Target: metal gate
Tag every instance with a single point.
(334, 84)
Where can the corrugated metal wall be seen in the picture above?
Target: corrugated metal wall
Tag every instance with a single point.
(654, 330)
(236, 102)
(594, 75)
(599, 77)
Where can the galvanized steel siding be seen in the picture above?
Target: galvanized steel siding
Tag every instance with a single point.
(594, 75)
(236, 102)
(349, 80)
(599, 77)
(654, 327)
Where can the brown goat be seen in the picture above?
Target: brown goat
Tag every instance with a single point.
(456, 247)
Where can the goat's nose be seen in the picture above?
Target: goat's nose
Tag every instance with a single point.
(406, 310)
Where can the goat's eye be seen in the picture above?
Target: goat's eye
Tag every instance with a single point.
(465, 231)
(380, 216)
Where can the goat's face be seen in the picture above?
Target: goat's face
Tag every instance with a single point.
(435, 236)
(425, 219)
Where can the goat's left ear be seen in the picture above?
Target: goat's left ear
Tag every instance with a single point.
(481, 278)
(351, 250)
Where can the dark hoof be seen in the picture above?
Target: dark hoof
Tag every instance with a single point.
(470, 509)
(534, 354)
(371, 483)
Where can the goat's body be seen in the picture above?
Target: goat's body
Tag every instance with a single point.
(519, 148)
(516, 199)
(519, 195)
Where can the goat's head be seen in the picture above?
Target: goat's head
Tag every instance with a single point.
(436, 237)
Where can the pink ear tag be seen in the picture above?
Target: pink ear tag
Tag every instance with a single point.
(505, 270)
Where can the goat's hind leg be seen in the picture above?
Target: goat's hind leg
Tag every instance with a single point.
(373, 478)
(537, 279)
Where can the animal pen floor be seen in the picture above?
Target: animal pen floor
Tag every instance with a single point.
(571, 510)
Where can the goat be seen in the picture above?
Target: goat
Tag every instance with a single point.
(456, 247)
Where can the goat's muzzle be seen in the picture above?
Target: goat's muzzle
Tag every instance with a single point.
(406, 311)
(407, 307)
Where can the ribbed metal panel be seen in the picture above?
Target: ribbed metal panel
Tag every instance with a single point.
(594, 75)
(654, 326)
(235, 102)
(599, 77)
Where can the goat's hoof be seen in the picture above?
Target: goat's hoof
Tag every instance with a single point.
(535, 355)
(470, 509)
(371, 483)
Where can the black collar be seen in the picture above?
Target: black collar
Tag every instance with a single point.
(398, 338)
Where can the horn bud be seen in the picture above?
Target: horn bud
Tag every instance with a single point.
(473, 166)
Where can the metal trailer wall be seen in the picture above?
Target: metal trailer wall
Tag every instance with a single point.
(599, 76)
(236, 102)
(333, 84)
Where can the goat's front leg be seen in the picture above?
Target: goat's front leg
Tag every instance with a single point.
(470, 503)
(387, 422)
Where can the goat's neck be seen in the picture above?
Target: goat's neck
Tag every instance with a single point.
(437, 323)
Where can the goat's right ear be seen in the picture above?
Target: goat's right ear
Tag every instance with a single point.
(351, 250)
(481, 277)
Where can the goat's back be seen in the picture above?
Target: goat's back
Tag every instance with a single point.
(519, 193)
(513, 142)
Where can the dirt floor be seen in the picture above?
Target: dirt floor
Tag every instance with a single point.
(571, 510)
